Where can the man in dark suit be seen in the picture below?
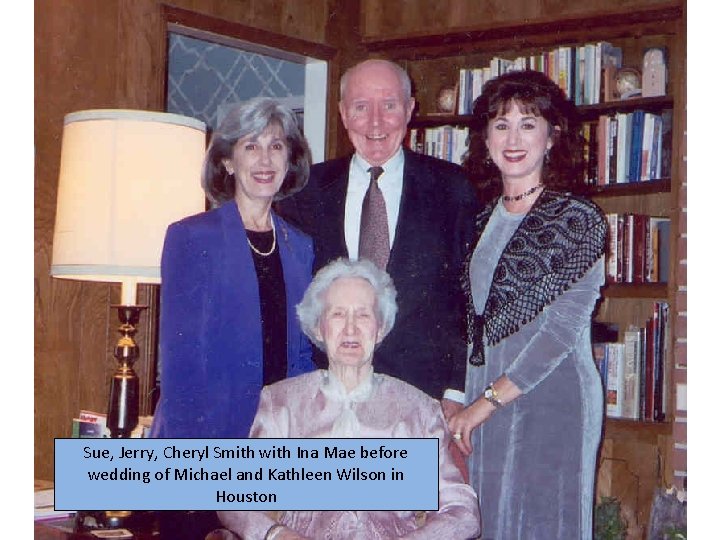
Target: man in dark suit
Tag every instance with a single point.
(428, 209)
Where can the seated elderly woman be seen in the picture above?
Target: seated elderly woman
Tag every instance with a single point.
(347, 310)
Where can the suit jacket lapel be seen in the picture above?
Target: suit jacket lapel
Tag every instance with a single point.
(409, 218)
(242, 297)
(331, 217)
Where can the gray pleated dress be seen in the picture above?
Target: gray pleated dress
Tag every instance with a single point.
(533, 461)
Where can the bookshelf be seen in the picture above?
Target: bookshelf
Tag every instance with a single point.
(636, 456)
(636, 290)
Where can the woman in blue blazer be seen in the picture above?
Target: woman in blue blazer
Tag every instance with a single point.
(231, 278)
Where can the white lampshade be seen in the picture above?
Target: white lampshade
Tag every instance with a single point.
(125, 175)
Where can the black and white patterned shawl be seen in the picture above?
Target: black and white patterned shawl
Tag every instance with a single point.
(557, 242)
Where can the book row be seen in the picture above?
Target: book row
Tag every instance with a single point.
(634, 371)
(628, 147)
(586, 73)
(638, 248)
(444, 142)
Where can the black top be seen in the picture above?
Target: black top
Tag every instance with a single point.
(273, 306)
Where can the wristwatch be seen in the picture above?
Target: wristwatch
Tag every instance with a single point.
(492, 396)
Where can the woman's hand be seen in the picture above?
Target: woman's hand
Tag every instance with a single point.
(463, 423)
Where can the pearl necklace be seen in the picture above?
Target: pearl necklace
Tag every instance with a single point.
(520, 197)
(272, 248)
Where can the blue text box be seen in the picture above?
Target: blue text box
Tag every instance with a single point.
(246, 474)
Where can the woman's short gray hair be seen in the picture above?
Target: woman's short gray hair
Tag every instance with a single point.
(251, 118)
(312, 306)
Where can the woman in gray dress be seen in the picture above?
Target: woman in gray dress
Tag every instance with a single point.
(534, 402)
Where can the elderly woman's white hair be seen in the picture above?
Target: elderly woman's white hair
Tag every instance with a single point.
(310, 309)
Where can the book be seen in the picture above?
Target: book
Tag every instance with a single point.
(651, 246)
(641, 351)
(602, 135)
(592, 163)
(45, 502)
(628, 247)
(579, 88)
(631, 378)
(621, 269)
(621, 175)
(614, 393)
(647, 145)
(479, 77)
(571, 72)
(45, 506)
(634, 169)
(650, 367)
(666, 143)
(600, 356)
(586, 127)
(658, 248)
(612, 150)
(499, 66)
(90, 424)
(656, 150)
(640, 223)
(460, 144)
(662, 344)
(663, 253)
(589, 95)
(463, 76)
(611, 261)
(83, 429)
(563, 70)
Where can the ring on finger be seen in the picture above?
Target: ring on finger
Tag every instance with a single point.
(457, 436)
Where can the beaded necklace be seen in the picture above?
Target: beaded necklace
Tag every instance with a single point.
(272, 248)
(520, 197)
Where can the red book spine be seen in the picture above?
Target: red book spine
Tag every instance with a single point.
(640, 248)
(628, 246)
(621, 269)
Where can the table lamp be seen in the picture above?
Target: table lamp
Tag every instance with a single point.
(125, 175)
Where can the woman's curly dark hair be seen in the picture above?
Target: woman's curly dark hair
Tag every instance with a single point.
(536, 94)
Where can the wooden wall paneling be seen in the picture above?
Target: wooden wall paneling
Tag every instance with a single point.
(141, 57)
(112, 54)
(655, 204)
(383, 19)
(505, 37)
(70, 321)
(305, 20)
(235, 33)
(343, 31)
(625, 312)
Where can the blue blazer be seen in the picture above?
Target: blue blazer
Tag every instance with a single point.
(210, 330)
